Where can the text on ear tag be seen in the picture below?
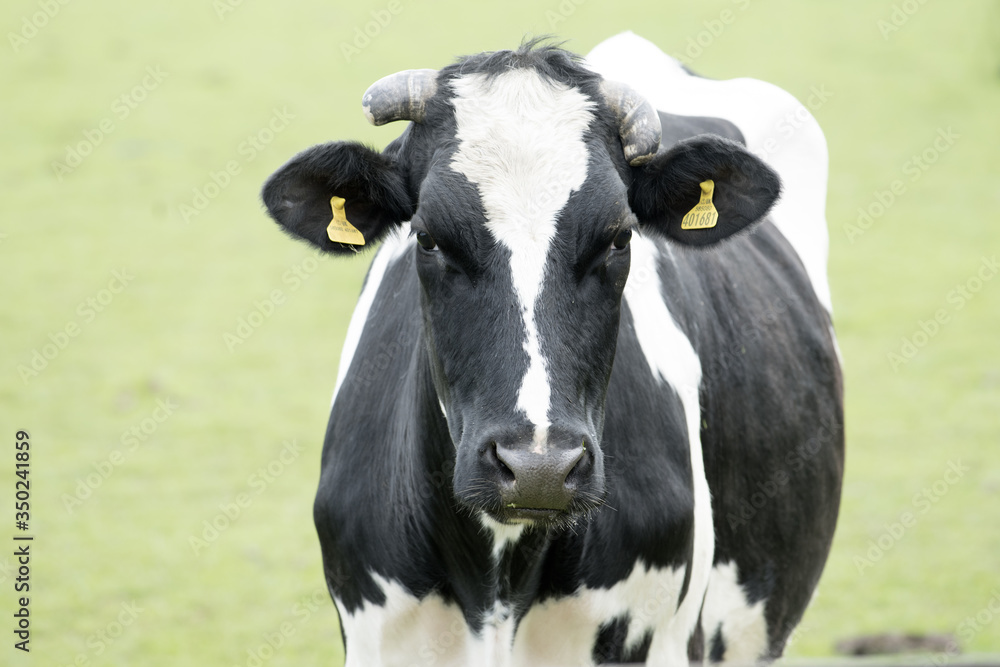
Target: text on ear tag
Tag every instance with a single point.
(703, 215)
(340, 230)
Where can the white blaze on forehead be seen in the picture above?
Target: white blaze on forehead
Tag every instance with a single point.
(521, 142)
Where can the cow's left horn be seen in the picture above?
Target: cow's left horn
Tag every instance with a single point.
(400, 96)
(638, 122)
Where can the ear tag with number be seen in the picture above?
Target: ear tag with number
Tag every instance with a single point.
(703, 215)
(340, 230)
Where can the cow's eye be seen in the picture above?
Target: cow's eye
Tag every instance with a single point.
(622, 238)
(425, 240)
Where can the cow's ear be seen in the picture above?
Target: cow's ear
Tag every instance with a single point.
(367, 187)
(695, 176)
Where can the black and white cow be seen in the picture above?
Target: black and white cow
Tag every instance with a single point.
(567, 428)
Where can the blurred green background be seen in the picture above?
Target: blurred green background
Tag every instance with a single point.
(164, 343)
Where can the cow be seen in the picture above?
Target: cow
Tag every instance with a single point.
(589, 407)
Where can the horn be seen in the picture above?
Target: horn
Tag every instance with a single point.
(638, 122)
(400, 96)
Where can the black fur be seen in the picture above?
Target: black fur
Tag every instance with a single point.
(678, 128)
(298, 195)
(717, 652)
(666, 188)
(610, 644)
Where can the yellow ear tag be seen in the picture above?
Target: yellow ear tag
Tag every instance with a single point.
(703, 215)
(340, 230)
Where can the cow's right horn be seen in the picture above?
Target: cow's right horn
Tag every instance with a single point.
(400, 96)
(638, 122)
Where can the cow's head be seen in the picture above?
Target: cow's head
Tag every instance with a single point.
(523, 177)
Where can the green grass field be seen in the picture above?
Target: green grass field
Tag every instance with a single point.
(153, 412)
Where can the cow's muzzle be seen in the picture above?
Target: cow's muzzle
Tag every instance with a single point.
(518, 480)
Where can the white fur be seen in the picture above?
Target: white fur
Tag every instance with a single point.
(405, 631)
(392, 249)
(836, 347)
(411, 632)
(502, 533)
(521, 143)
(744, 628)
(671, 357)
(798, 154)
(562, 631)
(494, 646)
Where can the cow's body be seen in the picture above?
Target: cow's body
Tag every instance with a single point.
(722, 446)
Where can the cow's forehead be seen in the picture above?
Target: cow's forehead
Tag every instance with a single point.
(522, 143)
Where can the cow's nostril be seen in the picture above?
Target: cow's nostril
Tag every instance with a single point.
(584, 464)
(494, 460)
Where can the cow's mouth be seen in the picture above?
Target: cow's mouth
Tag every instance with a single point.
(530, 515)
(534, 518)
(541, 517)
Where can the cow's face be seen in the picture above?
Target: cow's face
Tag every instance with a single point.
(521, 203)
(522, 236)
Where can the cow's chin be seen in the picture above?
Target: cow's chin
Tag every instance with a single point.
(537, 518)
